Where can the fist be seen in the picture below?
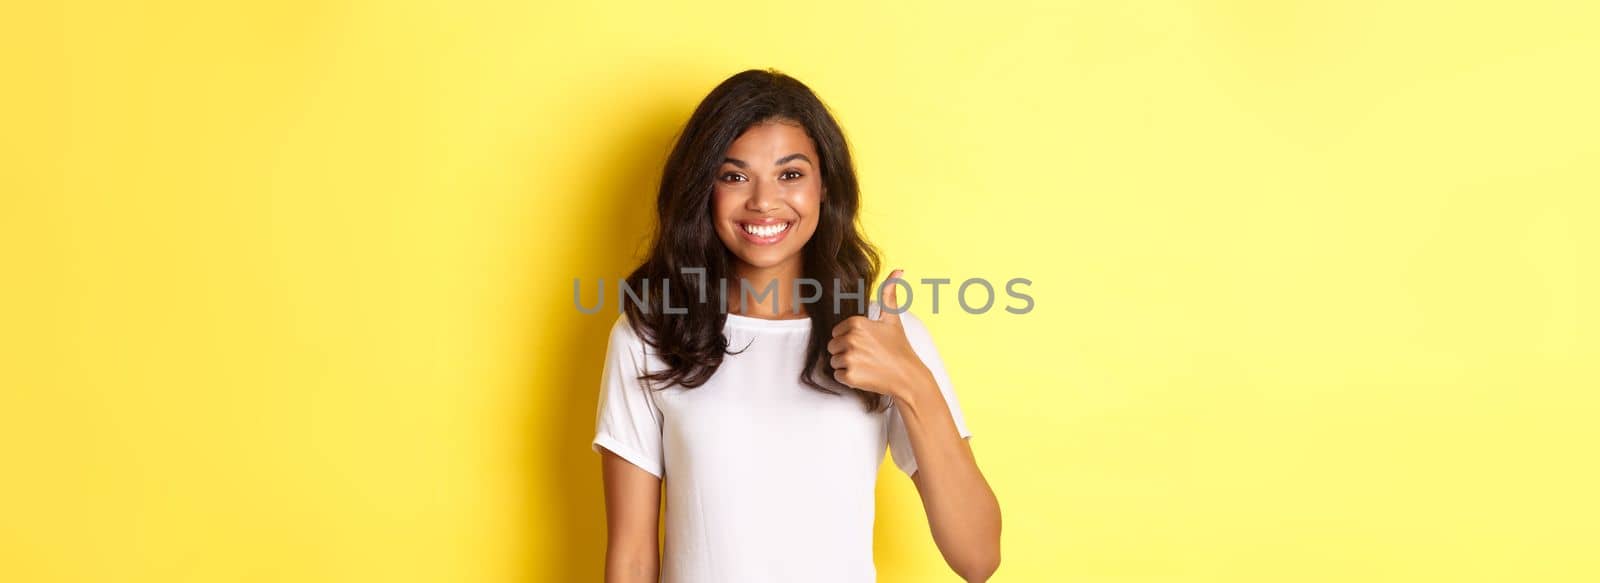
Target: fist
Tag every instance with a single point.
(875, 355)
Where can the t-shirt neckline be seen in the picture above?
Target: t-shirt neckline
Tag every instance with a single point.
(753, 322)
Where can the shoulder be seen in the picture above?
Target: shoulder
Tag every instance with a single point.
(916, 331)
(627, 348)
(913, 324)
(623, 337)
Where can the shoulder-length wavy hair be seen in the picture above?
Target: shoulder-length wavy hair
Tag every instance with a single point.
(691, 345)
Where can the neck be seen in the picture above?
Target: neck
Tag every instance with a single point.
(779, 279)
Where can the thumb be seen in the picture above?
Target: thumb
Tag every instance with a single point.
(891, 296)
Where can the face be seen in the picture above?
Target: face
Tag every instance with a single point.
(768, 194)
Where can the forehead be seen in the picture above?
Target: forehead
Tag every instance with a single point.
(768, 141)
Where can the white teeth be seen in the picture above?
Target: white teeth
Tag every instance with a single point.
(765, 231)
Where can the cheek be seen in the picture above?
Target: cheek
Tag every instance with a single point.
(807, 203)
(722, 204)
(723, 208)
(809, 207)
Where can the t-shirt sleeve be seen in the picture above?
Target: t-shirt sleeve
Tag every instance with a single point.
(899, 440)
(627, 421)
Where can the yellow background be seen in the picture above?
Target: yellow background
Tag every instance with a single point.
(287, 285)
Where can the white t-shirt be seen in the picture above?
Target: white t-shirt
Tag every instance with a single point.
(767, 480)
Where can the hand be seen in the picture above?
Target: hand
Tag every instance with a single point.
(875, 355)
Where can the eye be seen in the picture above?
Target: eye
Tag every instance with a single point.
(733, 177)
(790, 175)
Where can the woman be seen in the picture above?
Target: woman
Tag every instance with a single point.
(767, 408)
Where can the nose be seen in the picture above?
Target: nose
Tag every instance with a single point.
(763, 197)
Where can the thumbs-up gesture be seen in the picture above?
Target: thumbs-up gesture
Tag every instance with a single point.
(875, 355)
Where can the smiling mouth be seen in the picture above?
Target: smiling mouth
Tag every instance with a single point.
(765, 233)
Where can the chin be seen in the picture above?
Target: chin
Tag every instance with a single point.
(765, 258)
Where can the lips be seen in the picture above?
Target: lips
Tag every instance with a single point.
(765, 232)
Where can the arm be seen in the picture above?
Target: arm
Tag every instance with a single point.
(633, 503)
(962, 510)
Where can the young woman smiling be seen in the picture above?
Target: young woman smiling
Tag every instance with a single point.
(767, 422)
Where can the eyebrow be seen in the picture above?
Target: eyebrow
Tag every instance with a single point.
(790, 157)
(780, 161)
